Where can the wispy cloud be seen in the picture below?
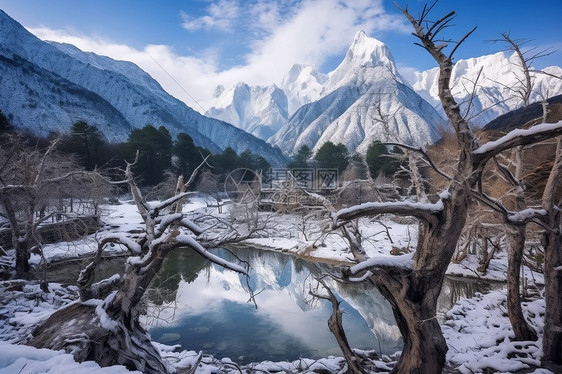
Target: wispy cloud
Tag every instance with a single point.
(160, 61)
(281, 33)
(221, 16)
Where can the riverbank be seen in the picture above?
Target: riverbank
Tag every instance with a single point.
(476, 329)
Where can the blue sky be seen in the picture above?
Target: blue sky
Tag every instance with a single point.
(191, 46)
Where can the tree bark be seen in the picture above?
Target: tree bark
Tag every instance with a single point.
(552, 336)
(521, 328)
(124, 306)
(414, 308)
(552, 241)
(78, 329)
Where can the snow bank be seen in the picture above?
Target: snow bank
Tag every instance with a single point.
(479, 335)
(24, 359)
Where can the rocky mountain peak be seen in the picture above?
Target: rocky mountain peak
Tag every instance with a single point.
(367, 51)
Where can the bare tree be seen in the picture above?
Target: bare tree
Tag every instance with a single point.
(106, 328)
(524, 82)
(33, 185)
(516, 233)
(209, 184)
(412, 283)
(516, 229)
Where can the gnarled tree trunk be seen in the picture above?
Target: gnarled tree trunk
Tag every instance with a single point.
(552, 336)
(424, 345)
(78, 329)
(106, 328)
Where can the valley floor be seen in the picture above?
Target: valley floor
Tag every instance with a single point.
(477, 330)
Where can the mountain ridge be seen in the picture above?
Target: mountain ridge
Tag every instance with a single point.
(303, 85)
(496, 75)
(145, 102)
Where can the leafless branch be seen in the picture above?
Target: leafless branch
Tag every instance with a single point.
(517, 138)
(426, 158)
(473, 93)
(461, 41)
(427, 212)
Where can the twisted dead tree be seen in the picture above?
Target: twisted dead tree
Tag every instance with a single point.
(516, 236)
(412, 283)
(105, 327)
(549, 218)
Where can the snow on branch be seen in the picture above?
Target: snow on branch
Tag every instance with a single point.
(168, 202)
(122, 239)
(525, 215)
(404, 262)
(425, 211)
(519, 137)
(188, 224)
(193, 244)
(167, 221)
(521, 217)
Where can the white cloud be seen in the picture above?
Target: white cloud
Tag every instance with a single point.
(221, 16)
(282, 33)
(266, 15)
(315, 31)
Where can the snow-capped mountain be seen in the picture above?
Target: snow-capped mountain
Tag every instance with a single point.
(497, 78)
(47, 87)
(364, 99)
(364, 54)
(40, 101)
(303, 84)
(259, 110)
(263, 110)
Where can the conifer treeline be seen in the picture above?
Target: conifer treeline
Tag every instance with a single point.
(158, 152)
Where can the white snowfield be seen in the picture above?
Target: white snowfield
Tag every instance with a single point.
(477, 330)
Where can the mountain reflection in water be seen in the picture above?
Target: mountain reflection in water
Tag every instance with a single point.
(204, 307)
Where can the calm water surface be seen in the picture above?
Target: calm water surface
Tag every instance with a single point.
(204, 307)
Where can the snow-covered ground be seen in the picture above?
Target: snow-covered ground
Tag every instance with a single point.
(477, 330)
